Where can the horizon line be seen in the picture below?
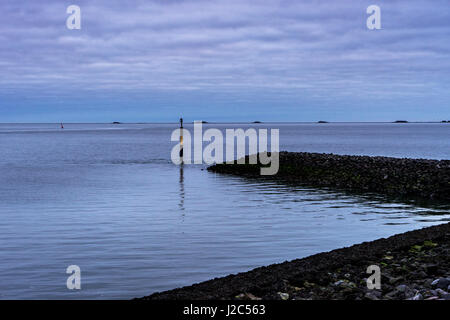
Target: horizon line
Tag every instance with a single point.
(240, 122)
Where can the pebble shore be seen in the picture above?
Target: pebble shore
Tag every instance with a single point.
(414, 266)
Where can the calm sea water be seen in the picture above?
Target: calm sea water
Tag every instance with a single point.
(108, 199)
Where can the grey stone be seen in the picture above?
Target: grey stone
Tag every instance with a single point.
(431, 268)
(417, 297)
(344, 284)
(283, 296)
(391, 295)
(393, 280)
(428, 282)
(421, 274)
(441, 292)
(407, 291)
(373, 295)
(402, 287)
(338, 283)
(442, 283)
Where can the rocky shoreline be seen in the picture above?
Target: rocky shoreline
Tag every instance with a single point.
(402, 178)
(414, 266)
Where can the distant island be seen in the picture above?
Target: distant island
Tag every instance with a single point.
(116, 122)
(256, 121)
(321, 121)
(400, 121)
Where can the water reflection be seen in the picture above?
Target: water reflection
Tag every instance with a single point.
(182, 195)
(296, 196)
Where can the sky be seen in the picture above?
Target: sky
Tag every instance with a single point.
(224, 60)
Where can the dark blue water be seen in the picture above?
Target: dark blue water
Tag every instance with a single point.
(108, 199)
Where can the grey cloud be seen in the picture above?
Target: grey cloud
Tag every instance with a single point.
(316, 48)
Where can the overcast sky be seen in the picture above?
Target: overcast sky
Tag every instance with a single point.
(224, 60)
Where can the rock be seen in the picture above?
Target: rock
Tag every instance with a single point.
(240, 296)
(405, 290)
(247, 296)
(391, 295)
(338, 283)
(393, 280)
(417, 297)
(402, 287)
(427, 294)
(446, 296)
(344, 284)
(432, 298)
(373, 295)
(428, 282)
(332, 275)
(441, 283)
(252, 297)
(431, 269)
(283, 296)
(420, 275)
(441, 292)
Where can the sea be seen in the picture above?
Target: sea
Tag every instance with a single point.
(108, 199)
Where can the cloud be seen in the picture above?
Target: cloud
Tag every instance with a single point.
(281, 50)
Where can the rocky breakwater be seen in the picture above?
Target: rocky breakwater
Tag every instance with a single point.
(418, 178)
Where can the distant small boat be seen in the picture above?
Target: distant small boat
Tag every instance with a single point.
(62, 126)
(321, 121)
(401, 121)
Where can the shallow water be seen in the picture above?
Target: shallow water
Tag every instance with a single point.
(108, 199)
